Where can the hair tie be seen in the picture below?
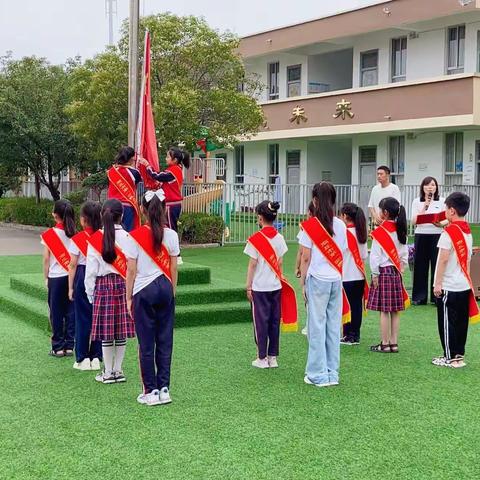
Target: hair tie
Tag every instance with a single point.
(160, 194)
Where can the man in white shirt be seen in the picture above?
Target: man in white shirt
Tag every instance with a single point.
(383, 190)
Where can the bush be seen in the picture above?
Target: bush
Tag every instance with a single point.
(77, 197)
(198, 228)
(26, 211)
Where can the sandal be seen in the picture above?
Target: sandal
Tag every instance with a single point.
(393, 348)
(58, 353)
(380, 348)
(68, 352)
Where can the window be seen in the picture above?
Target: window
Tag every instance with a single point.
(397, 158)
(368, 154)
(294, 81)
(454, 158)
(273, 73)
(456, 49)
(369, 68)
(273, 162)
(239, 164)
(399, 59)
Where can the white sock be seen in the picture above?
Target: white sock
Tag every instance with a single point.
(108, 351)
(119, 355)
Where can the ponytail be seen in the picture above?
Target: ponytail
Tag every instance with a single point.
(182, 157)
(155, 210)
(397, 213)
(402, 227)
(356, 215)
(112, 213)
(64, 210)
(324, 197)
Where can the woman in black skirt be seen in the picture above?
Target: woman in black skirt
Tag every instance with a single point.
(426, 240)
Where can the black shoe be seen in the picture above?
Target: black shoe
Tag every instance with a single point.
(417, 303)
(346, 340)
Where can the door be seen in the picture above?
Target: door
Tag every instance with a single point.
(292, 200)
(368, 173)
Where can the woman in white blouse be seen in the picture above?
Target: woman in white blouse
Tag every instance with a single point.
(426, 240)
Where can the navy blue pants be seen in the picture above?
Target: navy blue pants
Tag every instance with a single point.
(62, 316)
(266, 322)
(154, 313)
(173, 214)
(128, 220)
(84, 348)
(354, 291)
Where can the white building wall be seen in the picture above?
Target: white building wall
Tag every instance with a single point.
(426, 55)
(380, 140)
(334, 69)
(424, 156)
(330, 155)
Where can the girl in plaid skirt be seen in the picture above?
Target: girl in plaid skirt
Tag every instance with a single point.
(388, 258)
(105, 287)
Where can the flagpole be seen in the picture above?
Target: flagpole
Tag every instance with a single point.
(133, 70)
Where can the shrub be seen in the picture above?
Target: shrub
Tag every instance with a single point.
(198, 228)
(77, 197)
(97, 182)
(26, 211)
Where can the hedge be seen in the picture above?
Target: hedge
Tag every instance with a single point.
(193, 227)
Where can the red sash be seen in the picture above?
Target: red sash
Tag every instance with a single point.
(382, 236)
(329, 249)
(461, 249)
(126, 190)
(288, 298)
(143, 236)
(120, 263)
(57, 248)
(81, 241)
(357, 258)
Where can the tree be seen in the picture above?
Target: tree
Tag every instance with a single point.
(34, 133)
(196, 78)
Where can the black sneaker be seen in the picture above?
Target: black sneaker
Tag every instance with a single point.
(347, 340)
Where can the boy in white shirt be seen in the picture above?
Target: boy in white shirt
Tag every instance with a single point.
(452, 286)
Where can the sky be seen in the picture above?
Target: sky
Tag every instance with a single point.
(61, 29)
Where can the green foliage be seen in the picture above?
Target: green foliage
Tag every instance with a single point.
(26, 211)
(97, 182)
(34, 131)
(77, 197)
(9, 178)
(196, 228)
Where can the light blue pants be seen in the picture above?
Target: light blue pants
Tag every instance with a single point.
(324, 322)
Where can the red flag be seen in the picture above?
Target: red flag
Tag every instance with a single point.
(146, 139)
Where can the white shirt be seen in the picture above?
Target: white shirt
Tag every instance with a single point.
(436, 206)
(264, 279)
(55, 270)
(147, 269)
(378, 257)
(453, 279)
(319, 267)
(74, 250)
(379, 193)
(351, 273)
(97, 267)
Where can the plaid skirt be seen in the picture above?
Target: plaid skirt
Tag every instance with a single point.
(111, 320)
(388, 296)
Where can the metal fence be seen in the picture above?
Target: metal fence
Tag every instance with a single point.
(236, 203)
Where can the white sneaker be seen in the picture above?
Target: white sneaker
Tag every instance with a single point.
(151, 399)
(95, 364)
(105, 378)
(83, 365)
(164, 396)
(272, 362)
(260, 363)
(439, 361)
(304, 331)
(119, 377)
(333, 384)
(309, 382)
(179, 261)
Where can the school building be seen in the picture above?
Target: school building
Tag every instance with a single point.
(395, 83)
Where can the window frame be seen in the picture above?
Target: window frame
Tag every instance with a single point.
(294, 82)
(276, 94)
(403, 74)
(457, 68)
(394, 163)
(458, 150)
(239, 161)
(368, 69)
(273, 160)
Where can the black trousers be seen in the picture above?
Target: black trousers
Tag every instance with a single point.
(62, 316)
(84, 348)
(452, 314)
(154, 312)
(173, 214)
(266, 309)
(354, 291)
(426, 253)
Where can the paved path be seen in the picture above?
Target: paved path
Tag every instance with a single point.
(19, 242)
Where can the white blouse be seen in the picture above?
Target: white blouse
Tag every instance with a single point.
(351, 273)
(436, 206)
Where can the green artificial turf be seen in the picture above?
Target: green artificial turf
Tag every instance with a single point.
(393, 416)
